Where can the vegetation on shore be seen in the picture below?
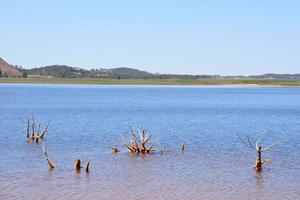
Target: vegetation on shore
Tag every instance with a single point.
(153, 81)
(63, 74)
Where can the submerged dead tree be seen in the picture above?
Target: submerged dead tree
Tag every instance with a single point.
(32, 134)
(77, 165)
(51, 165)
(139, 141)
(258, 148)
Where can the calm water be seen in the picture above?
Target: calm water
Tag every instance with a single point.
(85, 119)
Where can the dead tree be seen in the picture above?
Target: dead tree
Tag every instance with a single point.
(258, 148)
(87, 166)
(47, 158)
(140, 142)
(182, 147)
(35, 135)
(137, 142)
(78, 166)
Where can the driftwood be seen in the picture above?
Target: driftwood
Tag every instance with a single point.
(31, 134)
(258, 148)
(47, 158)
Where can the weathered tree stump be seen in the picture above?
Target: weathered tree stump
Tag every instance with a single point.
(182, 147)
(77, 164)
(87, 166)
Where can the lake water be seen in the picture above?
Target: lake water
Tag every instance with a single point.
(86, 119)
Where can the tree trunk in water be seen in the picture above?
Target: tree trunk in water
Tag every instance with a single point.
(258, 163)
(87, 166)
(27, 132)
(77, 164)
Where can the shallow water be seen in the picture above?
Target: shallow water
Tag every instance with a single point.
(85, 119)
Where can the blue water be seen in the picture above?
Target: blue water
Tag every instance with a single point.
(86, 119)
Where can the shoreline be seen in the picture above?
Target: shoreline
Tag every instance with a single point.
(198, 82)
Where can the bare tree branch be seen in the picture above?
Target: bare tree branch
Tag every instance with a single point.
(257, 143)
(249, 142)
(48, 160)
(271, 146)
(45, 130)
(246, 143)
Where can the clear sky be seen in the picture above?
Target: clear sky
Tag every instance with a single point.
(226, 37)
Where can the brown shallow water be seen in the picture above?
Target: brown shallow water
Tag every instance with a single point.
(86, 119)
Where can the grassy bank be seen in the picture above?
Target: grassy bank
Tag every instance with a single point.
(150, 81)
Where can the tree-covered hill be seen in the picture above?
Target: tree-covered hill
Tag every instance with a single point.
(64, 71)
(129, 73)
(61, 71)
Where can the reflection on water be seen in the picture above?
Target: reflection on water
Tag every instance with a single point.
(86, 119)
(258, 182)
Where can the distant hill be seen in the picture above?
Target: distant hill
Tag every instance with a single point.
(129, 73)
(7, 69)
(64, 71)
(60, 71)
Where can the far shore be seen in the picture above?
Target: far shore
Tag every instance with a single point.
(263, 82)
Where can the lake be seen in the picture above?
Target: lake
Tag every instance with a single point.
(86, 119)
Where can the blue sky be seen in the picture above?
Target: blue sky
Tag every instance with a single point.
(187, 37)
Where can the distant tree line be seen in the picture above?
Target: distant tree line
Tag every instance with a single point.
(64, 71)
